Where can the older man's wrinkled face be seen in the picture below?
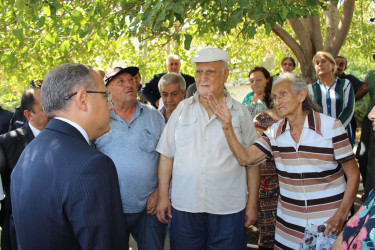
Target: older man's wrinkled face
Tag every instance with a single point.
(123, 88)
(210, 78)
(172, 96)
(173, 66)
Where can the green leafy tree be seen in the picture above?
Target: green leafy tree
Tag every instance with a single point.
(38, 35)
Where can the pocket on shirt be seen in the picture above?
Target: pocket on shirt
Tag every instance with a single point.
(186, 130)
(148, 142)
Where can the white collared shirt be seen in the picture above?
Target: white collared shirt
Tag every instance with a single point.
(78, 127)
(206, 177)
(34, 130)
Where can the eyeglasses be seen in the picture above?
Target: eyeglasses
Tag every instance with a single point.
(107, 94)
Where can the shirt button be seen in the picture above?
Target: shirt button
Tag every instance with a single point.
(329, 106)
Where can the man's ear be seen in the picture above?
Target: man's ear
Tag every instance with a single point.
(185, 92)
(81, 99)
(27, 114)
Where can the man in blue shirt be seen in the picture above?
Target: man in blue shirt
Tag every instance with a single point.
(131, 143)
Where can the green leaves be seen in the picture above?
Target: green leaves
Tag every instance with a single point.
(187, 41)
(37, 35)
(103, 33)
(18, 34)
(65, 47)
(50, 39)
(77, 17)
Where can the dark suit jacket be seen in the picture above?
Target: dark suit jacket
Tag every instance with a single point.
(65, 194)
(151, 91)
(5, 117)
(11, 146)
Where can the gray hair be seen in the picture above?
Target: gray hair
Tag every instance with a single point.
(298, 84)
(225, 65)
(62, 81)
(172, 78)
(174, 57)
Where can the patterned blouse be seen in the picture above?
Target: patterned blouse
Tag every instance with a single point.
(254, 108)
(268, 191)
(359, 232)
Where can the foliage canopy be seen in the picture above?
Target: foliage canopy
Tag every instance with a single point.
(38, 35)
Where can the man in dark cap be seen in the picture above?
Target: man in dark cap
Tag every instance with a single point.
(131, 142)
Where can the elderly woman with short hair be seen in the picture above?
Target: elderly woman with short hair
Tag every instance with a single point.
(312, 152)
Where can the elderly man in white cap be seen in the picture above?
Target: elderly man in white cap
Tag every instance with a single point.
(213, 198)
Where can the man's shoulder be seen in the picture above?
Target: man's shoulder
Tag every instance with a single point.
(188, 77)
(5, 112)
(149, 112)
(15, 134)
(158, 76)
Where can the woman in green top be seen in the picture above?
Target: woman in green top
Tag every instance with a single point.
(259, 79)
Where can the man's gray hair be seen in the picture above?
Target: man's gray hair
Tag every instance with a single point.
(62, 81)
(298, 84)
(225, 65)
(172, 78)
(174, 57)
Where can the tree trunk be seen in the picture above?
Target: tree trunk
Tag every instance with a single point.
(309, 35)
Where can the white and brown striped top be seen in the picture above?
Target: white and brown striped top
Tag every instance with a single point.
(311, 179)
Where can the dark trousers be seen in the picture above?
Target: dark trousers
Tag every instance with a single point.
(203, 231)
(8, 234)
(147, 231)
(363, 147)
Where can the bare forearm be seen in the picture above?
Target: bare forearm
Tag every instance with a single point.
(253, 180)
(244, 156)
(352, 173)
(361, 92)
(164, 175)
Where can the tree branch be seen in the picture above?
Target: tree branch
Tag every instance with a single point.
(289, 41)
(304, 38)
(316, 33)
(343, 27)
(332, 20)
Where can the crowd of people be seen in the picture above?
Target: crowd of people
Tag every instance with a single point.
(93, 157)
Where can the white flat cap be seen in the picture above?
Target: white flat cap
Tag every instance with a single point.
(210, 55)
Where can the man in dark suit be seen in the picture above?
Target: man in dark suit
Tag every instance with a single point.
(150, 90)
(11, 146)
(65, 194)
(5, 117)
